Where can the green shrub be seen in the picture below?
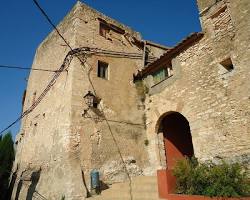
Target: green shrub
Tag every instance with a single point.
(7, 156)
(224, 180)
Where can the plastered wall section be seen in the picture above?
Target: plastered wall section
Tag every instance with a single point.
(216, 102)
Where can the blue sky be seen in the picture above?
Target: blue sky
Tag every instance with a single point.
(23, 28)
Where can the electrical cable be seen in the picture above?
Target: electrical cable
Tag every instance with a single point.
(25, 68)
(118, 148)
(120, 122)
(66, 61)
(51, 23)
(68, 58)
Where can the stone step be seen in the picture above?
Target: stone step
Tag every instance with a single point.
(142, 179)
(141, 197)
(143, 188)
(127, 194)
(145, 179)
(135, 187)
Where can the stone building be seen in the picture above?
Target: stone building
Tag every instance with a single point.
(129, 107)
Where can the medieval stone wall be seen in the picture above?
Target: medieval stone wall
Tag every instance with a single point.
(116, 127)
(63, 138)
(214, 100)
(60, 144)
(43, 141)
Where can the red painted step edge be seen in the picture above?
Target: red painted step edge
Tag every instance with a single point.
(197, 197)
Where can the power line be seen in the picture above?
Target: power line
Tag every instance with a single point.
(75, 52)
(115, 121)
(51, 23)
(25, 68)
(109, 127)
(66, 62)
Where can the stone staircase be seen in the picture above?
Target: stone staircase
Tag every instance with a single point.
(143, 188)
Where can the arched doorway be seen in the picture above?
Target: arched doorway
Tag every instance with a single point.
(177, 143)
(177, 138)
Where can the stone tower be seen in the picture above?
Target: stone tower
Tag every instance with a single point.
(118, 100)
(91, 116)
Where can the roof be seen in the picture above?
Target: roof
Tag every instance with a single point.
(171, 53)
(147, 42)
(157, 45)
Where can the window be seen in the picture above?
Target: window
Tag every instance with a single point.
(103, 29)
(102, 70)
(227, 64)
(160, 75)
(95, 104)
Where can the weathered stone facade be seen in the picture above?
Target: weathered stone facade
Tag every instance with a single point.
(64, 138)
(214, 99)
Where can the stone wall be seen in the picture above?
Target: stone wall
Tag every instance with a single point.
(213, 99)
(43, 141)
(62, 138)
(116, 127)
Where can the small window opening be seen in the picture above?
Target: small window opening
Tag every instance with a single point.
(102, 70)
(160, 75)
(147, 51)
(227, 64)
(103, 30)
(95, 104)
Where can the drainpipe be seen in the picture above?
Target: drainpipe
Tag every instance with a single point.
(144, 54)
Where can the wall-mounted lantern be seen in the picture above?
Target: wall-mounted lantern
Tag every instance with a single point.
(91, 100)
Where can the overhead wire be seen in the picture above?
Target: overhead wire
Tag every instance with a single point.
(51, 23)
(66, 61)
(26, 68)
(119, 122)
(113, 137)
(75, 52)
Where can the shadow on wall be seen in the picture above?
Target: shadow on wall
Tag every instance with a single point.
(19, 187)
(35, 176)
(12, 183)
